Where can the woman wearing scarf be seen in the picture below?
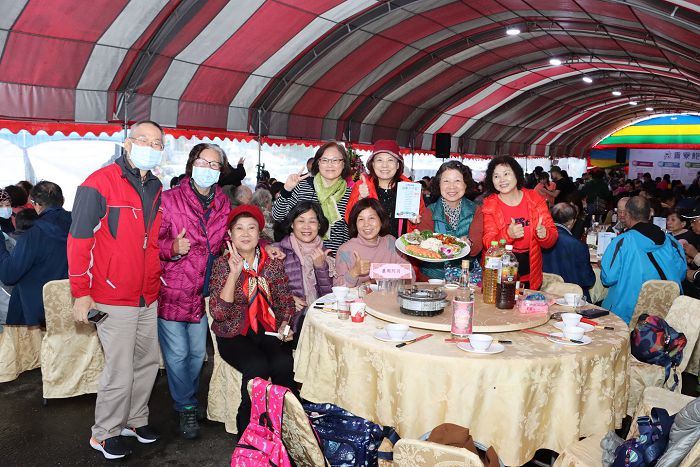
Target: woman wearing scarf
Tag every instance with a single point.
(191, 235)
(307, 263)
(454, 214)
(324, 184)
(385, 172)
(370, 243)
(250, 296)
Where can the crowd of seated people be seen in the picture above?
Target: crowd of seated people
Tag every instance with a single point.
(263, 255)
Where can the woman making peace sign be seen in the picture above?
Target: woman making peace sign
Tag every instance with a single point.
(324, 184)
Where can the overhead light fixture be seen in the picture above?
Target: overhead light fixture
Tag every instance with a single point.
(616, 93)
(633, 102)
(513, 31)
(649, 109)
(587, 79)
(554, 61)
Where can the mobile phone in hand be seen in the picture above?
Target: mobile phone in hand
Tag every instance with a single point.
(96, 316)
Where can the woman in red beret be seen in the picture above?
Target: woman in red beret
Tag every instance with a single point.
(385, 172)
(250, 296)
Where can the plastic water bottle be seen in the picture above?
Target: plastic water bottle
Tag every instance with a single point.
(508, 277)
(492, 263)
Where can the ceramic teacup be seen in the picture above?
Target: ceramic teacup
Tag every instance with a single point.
(340, 292)
(396, 331)
(573, 332)
(480, 342)
(570, 319)
(572, 299)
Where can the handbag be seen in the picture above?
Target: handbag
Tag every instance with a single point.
(349, 440)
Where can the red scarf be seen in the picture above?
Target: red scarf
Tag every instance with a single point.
(257, 291)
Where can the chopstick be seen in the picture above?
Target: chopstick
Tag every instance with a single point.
(466, 340)
(596, 325)
(564, 339)
(424, 336)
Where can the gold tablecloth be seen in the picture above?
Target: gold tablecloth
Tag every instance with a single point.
(536, 394)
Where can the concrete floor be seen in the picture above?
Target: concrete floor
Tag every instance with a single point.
(58, 434)
(33, 435)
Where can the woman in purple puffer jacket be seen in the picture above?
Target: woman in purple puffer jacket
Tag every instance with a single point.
(308, 265)
(191, 236)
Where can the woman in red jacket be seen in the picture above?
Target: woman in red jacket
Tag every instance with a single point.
(518, 215)
(385, 171)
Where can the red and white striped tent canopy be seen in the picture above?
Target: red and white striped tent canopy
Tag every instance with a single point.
(356, 69)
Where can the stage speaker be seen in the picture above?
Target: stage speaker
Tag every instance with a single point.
(621, 155)
(443, 145)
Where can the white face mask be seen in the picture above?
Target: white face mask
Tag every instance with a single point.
(205, 177)
(5, 212)
(144, 157)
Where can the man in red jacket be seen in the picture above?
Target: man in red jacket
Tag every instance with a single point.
(114, 267)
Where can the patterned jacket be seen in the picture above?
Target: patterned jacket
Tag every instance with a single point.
(229, 317)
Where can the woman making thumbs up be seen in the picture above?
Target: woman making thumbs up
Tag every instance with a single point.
(191, 234)
(370, 242)
(518, 215)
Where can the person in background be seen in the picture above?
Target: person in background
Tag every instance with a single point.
(233, 176)
(454, 214)
(276, 190)
(192, 234)
(620, 225)
(569, 257)
(250, 296)
(263, 200)
(38, 257)
(520, 216)
(678, 227)
(6, 224)
(242, 194)
(546, 188)
(597, 194)
(25, 185)
(25, 220)
(370, 242)
(324, 184)
(665, 183)
(19, 199)
(386, 167)
(643, 252)
(114, 267)
(564, 185)
(309, 267)
(309, 164)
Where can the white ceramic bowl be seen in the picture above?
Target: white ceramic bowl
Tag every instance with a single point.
(571, 319)
(572, 299)
(340, 292)
(396, 330)
(573, 332)
(480, 341)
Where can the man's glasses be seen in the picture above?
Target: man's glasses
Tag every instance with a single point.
(141, 141)
(205, 163)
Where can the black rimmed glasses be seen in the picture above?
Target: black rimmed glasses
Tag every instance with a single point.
(205, 163)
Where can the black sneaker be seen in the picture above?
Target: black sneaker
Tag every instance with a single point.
(189, 428)
(145, 434)
(111, 448)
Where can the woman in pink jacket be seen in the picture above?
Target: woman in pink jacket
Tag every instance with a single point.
(192, 234)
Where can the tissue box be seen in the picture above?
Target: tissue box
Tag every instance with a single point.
(533, 303)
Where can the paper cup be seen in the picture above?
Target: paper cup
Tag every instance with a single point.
(357, 309)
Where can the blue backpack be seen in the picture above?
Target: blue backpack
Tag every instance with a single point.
(655, 342)
(349, 440)
(646, 449)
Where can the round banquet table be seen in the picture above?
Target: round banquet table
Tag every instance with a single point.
(535, 395)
